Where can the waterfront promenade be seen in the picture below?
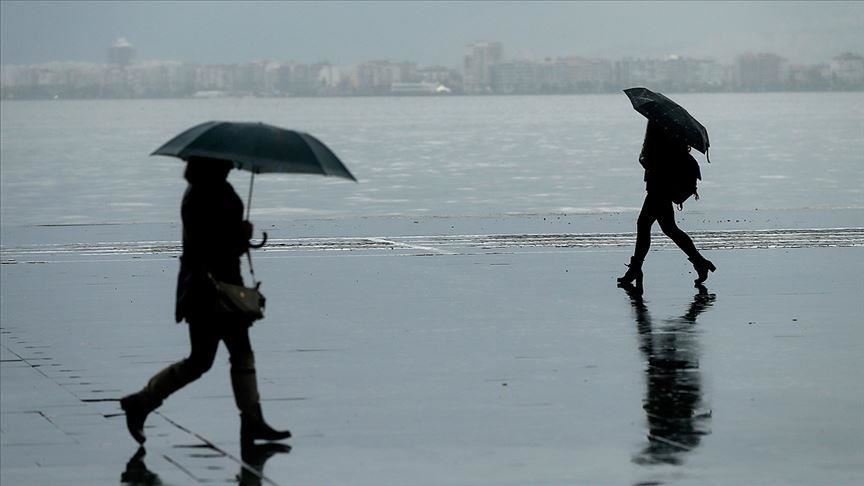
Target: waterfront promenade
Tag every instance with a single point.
(452, 351)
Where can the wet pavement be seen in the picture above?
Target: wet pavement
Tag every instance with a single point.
(460, 351)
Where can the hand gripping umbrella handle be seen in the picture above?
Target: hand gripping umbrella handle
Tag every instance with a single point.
(263, 241)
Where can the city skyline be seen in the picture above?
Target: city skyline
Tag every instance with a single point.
(484, 70)
(428, 33)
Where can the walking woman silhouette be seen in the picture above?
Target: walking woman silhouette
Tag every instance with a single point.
(661, 156)
(214, 237)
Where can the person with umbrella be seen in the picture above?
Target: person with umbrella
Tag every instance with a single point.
(215, 236)
(670, 133)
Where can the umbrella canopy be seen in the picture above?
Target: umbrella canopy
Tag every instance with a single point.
(670, 115)
(257, 147)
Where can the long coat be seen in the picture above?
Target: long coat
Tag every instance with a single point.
(214, 238)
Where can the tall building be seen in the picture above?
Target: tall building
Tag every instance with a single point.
(121, 52)
(479, 59)
(760, 72)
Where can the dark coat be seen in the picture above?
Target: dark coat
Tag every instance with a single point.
(661, 155)
(214, 238)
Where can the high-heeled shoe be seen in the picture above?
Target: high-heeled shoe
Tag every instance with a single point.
(634, 273)
(702, 267)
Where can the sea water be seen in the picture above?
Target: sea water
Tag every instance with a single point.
(88, 162)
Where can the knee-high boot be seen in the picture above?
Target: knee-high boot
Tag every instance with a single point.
(172, 378)
(252, 424)
(138, 405)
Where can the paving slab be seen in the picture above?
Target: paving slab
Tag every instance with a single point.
(492, 352)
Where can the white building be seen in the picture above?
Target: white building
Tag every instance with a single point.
(847, 70)
(121, 52)
(478, 62)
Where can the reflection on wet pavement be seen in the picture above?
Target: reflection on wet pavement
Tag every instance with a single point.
(673, 404)
(251, 471)
(490, 363)
(137, 474)
(254, 458)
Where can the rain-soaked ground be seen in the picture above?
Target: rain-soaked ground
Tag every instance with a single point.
(458, 351)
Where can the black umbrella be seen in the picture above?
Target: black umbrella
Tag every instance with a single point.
(256, 147)
(670, 115)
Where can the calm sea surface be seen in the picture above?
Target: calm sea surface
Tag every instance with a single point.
(66, 162)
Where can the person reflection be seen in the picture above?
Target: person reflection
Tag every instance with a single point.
(254, 456)
(674, 396)
(137, 474)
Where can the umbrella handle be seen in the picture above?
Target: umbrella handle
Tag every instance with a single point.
(263, 241)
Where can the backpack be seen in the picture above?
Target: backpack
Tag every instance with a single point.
(682, 180)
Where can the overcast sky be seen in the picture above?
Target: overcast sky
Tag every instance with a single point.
(428, 33)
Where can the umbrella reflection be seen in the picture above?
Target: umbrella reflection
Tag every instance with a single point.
(673, 400)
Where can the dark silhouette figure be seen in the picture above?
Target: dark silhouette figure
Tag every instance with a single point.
(254, 457)
(214, 237)
(661, 156)
(674, 392)
(137, 474)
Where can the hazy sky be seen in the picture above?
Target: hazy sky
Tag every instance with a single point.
(425, 32)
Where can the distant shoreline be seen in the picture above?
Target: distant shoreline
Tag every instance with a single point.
(450, 95)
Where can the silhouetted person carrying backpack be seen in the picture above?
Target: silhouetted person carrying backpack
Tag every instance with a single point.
(215, 235)
(670, 177)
